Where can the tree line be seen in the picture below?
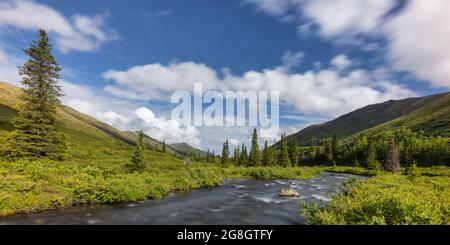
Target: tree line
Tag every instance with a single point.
(387, 150)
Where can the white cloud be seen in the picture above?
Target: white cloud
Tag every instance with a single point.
(290, 59)
(80, 33)
(153, 81)
(417, 35)
(419, 40)
(341, 61)
(272, 7)
(332, 16)
(347, 16)
(327, 91)
(166, 129)
(233, 142)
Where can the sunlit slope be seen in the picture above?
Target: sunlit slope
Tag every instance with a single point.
(184, 147)
(433, 118)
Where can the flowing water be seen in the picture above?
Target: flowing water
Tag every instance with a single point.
(234, 202)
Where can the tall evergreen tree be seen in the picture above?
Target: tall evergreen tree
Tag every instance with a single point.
(272, 157)
(137, 159)
(254, 159)
(36, 128)
(328, 150)
(313, 154)
(392, 163)
(225, 154)
(293, 151)
(163, 149)
(371, 157)
(243, 157)
(213, 157)
(207, 156)
(237, 155)
(283, 157)
(266, 155)
(334, 146)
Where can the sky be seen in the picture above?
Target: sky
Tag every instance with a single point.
(122, 60)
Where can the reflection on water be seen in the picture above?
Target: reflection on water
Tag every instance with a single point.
(235, 202)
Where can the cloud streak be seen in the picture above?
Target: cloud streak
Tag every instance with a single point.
(328, 92)
(417, 35)
(79, 33)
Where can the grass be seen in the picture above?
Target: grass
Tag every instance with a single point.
(391, 199)
(271, 172)
(350, 170)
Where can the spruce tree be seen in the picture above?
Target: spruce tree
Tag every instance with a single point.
(334, 147)
(163, 149)
(207, 156)
(225, 154)
(266, 155)
(237, 156)
(213, 157)
(371, 159)
(392, 163)
(272, 157)
(313, 154)
(283, 157)
(254, 158)
(137, 159)
(36, 128)
(328, 150)
(243, 157)
(293, 151)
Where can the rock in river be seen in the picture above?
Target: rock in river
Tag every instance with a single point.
(288, 192)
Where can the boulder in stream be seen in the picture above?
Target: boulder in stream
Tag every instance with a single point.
(288, 192)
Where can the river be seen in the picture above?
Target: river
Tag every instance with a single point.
(234, 202)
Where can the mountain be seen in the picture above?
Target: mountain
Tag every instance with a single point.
(186, 148)
(87, 138)
(428, 113)
(433, 118)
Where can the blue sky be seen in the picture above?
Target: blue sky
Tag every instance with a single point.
(326, 58)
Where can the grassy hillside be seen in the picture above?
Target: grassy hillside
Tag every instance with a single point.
(89, 140)
(429, 113)
(186, 148)
(433, 118)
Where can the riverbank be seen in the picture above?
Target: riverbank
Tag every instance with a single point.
(392, 199)
(28, 187)
(235, 202)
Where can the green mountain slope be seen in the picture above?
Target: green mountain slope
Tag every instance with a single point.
(429, 113)
(433, 118)
(87, 138)
(186, 148)
(155, 144)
